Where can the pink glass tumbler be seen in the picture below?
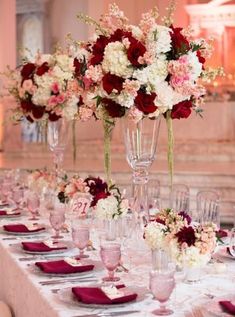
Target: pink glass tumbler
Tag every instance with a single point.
(81, 236)
(110, 256)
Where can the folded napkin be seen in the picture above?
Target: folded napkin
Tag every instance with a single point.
(63, 267)
(221, 234)
(95, 295)
(22, 228)
(227, 307)
(12, 212)
(40, 247)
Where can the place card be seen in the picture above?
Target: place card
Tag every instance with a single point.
(112, 292)
(32, 226)
(52, 244)
(72, 261)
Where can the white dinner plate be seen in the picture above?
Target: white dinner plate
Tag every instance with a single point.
(214, 309)
(66, 296)
(36, 270)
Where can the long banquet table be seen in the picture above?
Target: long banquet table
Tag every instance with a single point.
(21, 289)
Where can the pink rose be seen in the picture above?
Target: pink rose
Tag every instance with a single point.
(55, 88)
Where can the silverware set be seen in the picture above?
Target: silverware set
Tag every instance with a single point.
(110, 314)
(81, 279)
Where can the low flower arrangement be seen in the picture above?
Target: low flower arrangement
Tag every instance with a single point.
(39, 180)
(107, 202)
(190, 244)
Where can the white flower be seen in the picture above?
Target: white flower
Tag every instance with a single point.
(64, 62)
(161, 38)
(115, 60)
(154, 235)
(106, 207)
(61, 74)
(136, 32)
(70, 108)
(125, 99)
(196, 66)
(152, 74)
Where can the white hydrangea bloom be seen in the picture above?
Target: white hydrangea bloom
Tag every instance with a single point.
(71, 108)
(41, 96)
(61, 74)
(196, 66)
(115, 60)
(136, 32)
(106, 208)
(154, 235)
(65, 62)
(160, 36)
(152, 74)
(125, 99)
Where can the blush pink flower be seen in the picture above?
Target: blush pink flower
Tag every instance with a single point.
(131, 87)
(60, 98)
(55, 88)
(94, 73)
(52, 102)
(85, 113)
(27, 85)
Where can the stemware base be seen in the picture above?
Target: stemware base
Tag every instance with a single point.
(57, 237)
(162, 312)
(110, 279)
(33, 218)
(83, 256)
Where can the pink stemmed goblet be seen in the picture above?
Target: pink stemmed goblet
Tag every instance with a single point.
(162, 284)
(57, 220)
(80, 236)
(110, 255)
(33, 204)
(6, 190)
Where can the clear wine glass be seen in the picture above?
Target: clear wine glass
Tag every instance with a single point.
(162, 284)
(110, 254)
(6, 189)
(33, 204)
(57, 220)
(57, 137)
(80, 236)
(17, 196)
(141, 142)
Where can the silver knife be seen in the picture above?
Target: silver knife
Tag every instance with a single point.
(70, 281)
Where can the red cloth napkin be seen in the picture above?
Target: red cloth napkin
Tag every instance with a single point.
(227, 307)
(4, 213)
(94, 295)
(62, 267)
(221, 234)
(21, 228)
(39, 247)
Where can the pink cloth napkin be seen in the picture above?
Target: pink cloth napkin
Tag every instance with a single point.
(39, 247)
(94, 295)
(21, 228)
(4, 213)
(62, 267)
(227, 307)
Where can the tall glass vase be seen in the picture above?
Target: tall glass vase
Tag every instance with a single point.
(57, 137)
(141, 143)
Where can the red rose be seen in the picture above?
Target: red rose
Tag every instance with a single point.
(78, 67)
(201, 59)
(96, 198)
(38, 112)
(53, 117)
(135, 50)
(42, 69)
(180, 43)
(181, 110)
(26, 105)
(27, 70)
(114, 109)
(119, 34)
(111, 82)
(145, 102)
(98, 50)
(80, 102)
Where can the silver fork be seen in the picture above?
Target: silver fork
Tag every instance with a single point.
(109, 314)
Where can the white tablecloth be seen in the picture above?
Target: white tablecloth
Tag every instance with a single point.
(20, 288)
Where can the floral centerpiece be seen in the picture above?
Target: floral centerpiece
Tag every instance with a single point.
(191, 244)
(143, 71)
(40, 180)
(47, 88)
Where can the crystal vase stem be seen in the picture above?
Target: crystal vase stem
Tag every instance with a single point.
(170, 149)
(140, 185)
(108, 126)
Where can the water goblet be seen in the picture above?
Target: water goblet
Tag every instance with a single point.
(57, 220)
(17, 196)
(6, 190)
(33, 204)
(80, 236)
(110, 254)
(162, 284)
